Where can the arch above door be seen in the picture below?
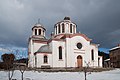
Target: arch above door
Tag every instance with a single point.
(79, 61)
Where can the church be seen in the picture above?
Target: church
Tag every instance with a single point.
(66, 48)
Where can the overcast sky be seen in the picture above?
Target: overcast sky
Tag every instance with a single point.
(98, 19)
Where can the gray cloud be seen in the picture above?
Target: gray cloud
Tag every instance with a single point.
(98, 19)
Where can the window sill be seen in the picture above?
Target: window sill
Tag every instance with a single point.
(45, 63)
(93, 60)
(60, 60)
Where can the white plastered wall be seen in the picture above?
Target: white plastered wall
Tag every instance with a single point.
(55, 54)
(33, 48)
(94, 63)
(100, 61)
(40, 59)
(73, 51)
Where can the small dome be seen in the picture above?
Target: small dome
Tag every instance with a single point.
(67, 18)
(38, 26)
(45, 49)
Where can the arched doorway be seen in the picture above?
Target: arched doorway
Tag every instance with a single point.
(79, 61)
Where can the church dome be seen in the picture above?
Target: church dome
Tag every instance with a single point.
(66, 26)
(38, 25)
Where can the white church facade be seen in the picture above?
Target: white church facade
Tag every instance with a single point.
(66, 48)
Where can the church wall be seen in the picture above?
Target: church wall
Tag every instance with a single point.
(29, 47)
(70, 54)
(69, 50)
(87, 56)
(85, 52)
(36, 46)
(94, 63)
(55, 54)
(33, 48)
(40, 59)
(51, 57)
(100, 61)
(31, 60)
(31, 55)
(75, 51)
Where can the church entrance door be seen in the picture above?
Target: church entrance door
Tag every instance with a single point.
(79, 61)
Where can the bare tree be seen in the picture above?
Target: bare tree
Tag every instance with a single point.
(86, 69)
(22, 62)
(11, 72)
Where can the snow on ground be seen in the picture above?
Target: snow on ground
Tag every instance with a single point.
(34, 75)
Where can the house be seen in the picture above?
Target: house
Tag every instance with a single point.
(115, 56)
(107, 63)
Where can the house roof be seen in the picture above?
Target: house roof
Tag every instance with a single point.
(114, 48)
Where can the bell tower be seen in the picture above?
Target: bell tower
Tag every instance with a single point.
(37, 37)
(38, 30)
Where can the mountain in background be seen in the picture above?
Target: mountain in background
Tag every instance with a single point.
(105, 55)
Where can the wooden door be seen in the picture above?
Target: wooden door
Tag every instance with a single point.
(79, 61)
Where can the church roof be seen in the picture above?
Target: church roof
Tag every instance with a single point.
(63, 36)
(44, 49)
(66, 19)
(38, 25)
(38, 37)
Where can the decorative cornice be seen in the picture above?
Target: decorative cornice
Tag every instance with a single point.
(42, 53)
(40, 41)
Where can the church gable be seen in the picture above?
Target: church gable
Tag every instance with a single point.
(74, 35)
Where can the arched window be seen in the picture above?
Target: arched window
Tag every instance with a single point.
(39, 31)
(60, 52)
(58, 28)
(45, 59)
(70, 28)
(92, 54)
(43, 33)
(35, 31)
(63, 30)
